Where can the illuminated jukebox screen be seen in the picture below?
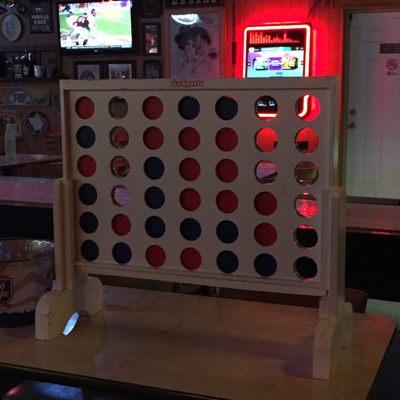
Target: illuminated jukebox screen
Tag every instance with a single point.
(276, 51)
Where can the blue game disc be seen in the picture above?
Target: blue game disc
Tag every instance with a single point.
(154, 168)
(155, 227)
(88, 222)
(189, 108)
(190, 229)
(265, 264)
(89, 250)
(85, 137)
(154, 197)
(87, 194)
(122, 253)
(227, 261)
(226, 108)
(227, 231)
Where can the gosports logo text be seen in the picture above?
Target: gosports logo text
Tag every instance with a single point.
(183, 83)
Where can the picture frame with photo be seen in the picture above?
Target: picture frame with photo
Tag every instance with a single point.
(41, 16)
(152, 69)
(121, 70)
(195, 43)
(88, 70)
(151, 38)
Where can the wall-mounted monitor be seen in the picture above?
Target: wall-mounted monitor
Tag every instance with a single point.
(96, 26)
(277, 51)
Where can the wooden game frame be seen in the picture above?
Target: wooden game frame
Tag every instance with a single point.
(75, 291)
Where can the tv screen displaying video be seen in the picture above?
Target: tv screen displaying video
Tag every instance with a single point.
(95, 25)
(268, 62)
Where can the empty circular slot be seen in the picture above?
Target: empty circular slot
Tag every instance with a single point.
(120, 196)
(265, 203)
(89, 250)
(266, 171)
(119, 137)
(120, 167)
(305, 268)
(226, 170)
(265, 234)
(155, 227)
(266, 140)
(265, 265)
(88, 222)
(153, 138)
(122, 253)
(306, 173)
(306, 205)
(227, 201)
(306, 236)
(190, 199)
(153, 107)
(226, 108)
(84, 107)
(307, 140)
(121, 224)
(189, 108)
(87, 165)
(226, 139)
(189, 138)
(190, 258)
(227, 232)
(155, 256)
(227, 261)
(190, 229)
(118, 107)
(154, 168)
(189, 169)
(266, 108)
(154, 197)
(308, 107)
(85, 137)
(87, 194)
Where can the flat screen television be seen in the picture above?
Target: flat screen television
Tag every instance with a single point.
(95, 26)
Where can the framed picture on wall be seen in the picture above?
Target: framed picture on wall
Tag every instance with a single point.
(152, 69)
(151, 8)
(198, 3)
(152, 39)
(88, 70)
(41, 16)
(120, 70)
(196, 43)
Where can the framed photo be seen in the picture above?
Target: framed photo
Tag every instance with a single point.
(188, 3)
(196, 43)
(151, 8)
(121, 70)
(88, 70)
(152, 69)
(40, 16)
(152, 39)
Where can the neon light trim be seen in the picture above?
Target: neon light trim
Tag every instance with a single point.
(306, 27)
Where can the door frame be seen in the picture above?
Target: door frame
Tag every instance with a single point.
(347, 12)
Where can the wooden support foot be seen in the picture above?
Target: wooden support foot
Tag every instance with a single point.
(55, 308)
(331, 335)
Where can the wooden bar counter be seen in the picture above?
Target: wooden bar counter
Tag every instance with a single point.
(215, 347)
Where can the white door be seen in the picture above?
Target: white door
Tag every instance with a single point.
(373, 120)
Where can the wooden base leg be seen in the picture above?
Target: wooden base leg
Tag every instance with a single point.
(331, 335)
(55, 308)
